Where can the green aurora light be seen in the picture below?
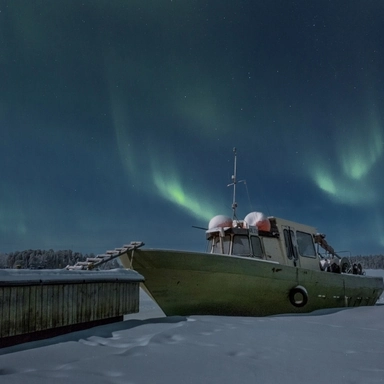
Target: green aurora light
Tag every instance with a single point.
(358, 153)
(171, 189)
(361, 151)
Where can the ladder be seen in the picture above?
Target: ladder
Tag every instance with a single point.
(94, 262)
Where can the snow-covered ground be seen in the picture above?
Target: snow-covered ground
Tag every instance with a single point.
(329, 346)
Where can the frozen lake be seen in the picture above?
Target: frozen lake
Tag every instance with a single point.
(328, 346)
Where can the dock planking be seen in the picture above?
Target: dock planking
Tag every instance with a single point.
(45, 303)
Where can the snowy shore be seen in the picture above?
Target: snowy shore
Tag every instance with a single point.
(328, 346)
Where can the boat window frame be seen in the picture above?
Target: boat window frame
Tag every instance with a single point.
(290, 244)
(260, 247)
(299, 243)
(226, 244)
(243, 236)
(219, 244)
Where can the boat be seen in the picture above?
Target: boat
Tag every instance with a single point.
(256, 266)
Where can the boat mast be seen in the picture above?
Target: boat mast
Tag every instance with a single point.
(234, 182)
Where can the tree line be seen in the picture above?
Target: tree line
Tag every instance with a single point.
(369, 262)
(46, 259)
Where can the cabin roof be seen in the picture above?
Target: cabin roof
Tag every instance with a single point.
(288, 223)
(224, 225)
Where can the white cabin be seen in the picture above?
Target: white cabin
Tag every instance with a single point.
(270, 238)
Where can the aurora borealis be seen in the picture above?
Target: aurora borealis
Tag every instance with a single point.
(118, 120)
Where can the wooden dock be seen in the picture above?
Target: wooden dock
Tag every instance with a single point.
(45, 303)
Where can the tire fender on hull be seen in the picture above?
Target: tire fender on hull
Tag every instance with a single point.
(298, 296)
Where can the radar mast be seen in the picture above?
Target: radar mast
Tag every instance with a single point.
(234, 182)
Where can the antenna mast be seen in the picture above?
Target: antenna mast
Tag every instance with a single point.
(234, 182)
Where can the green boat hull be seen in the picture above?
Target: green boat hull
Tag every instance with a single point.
(191, 283)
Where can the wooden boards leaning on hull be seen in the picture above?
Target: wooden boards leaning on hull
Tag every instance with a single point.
(192, 283)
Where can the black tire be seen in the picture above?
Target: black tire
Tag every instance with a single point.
(298, 296)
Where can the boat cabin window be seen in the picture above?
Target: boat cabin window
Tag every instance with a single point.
(305, 244)
(241, 246)
(217, 246)
(290, 244)
(256, 246)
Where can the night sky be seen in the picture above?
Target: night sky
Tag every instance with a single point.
(118, 120)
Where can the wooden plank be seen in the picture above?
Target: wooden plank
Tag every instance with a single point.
(110, 312)
(102, 299)
(127, 299)
(37, 326)
(108, 302)
(12, 311)
(5, 312)
(87, 302)
(91, 298)
(131, 302)
(1, 307)
(23, 309)
(123, 299)
(119, 306)
(60, 305)
(64, 304)
(80, 302)
(114, 293)
(136, 296)
(56, 313)
(49, 306)
(74, 304)
(43, 321)
(46, 308)
(71, 304)
(18, 317)
(95, 301)
(102, 294)
(31, 309)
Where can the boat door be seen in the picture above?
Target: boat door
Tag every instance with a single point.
(291, 245)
